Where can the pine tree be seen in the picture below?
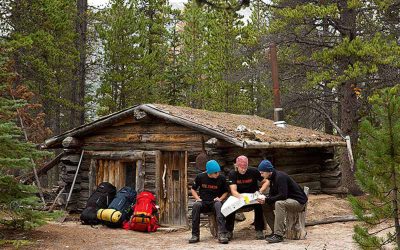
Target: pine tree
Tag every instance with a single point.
(378, 172)
(18, 202)
(342, 45)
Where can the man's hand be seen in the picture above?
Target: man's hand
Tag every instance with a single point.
(198, 200)
(217, 199)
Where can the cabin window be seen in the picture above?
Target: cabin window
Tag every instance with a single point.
(119, 173)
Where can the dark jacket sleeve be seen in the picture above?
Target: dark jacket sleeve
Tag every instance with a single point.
(282, 187)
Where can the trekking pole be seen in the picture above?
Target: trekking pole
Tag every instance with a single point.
(73, 183)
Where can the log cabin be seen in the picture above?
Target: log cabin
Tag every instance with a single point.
(154, 147)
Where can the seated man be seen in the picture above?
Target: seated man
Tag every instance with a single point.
(284, 195)
(245, 180)
(213, 190)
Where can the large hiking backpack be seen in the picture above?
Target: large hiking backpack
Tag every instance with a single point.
(101, 198)
(120, 209)
(144, 214)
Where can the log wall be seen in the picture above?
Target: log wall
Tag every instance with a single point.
(312, 167)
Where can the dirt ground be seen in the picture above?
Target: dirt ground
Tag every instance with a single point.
(73, 235)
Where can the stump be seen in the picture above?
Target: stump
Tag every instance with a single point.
(296, 223)
(212, 222)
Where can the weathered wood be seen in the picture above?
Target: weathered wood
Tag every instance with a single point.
(191, 124)
(71, 142)
(100, 123)
(111, 173)
(55, 200)
(73, 183)
(255, 144)
(27, 178)
(184, 185)
(140, 176)
(71, 159)
(92, 176)
(212, 223)
(296, 222)
(333, 219)
(117, 155)
(99, 172)
(106, 170)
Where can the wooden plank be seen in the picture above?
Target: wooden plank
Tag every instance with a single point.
(100, 173)
(185, 191)
(111, 172)
(140, 173)
(116, 175)
(106, 170)
(92, 176)
(122, 174)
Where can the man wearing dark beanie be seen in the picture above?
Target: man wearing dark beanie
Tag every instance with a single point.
(284, 195)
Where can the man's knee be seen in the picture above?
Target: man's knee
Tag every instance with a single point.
(280, 204)
(196, 206)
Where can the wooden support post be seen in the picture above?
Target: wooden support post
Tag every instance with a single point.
(296, 223)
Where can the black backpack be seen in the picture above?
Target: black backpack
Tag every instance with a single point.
(123, 202)
(101, 198)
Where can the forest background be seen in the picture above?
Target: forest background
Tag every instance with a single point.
(65, 63)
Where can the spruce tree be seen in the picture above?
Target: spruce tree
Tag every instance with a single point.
(378, 172)
(18, 203)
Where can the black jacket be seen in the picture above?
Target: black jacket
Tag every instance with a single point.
(283, 187)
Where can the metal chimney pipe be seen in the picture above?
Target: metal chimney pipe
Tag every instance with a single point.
(278, 111)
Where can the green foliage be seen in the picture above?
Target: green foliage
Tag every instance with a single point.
(134, 37)
(18, 202)
(378, 169)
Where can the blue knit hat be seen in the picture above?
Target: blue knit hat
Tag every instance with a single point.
(212, 167)
(265, 166)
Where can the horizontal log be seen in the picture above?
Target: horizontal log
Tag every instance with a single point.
(332, 173)
(330, 183)
(338, 190)
(333, 219)
(128, 155)
(71, 142)
(64, 168)
(155, 138)
(309, 177)
(147, 128)
(143, 146)
(255, 144)
(71, 159)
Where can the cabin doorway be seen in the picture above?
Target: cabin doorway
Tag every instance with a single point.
(172, 191)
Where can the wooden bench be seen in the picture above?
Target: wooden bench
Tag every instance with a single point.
(296, 223)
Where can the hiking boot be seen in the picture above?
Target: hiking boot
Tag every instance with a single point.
(229, 235)
(274, 239)
(222, 238)
(260, 235)
(194, 239)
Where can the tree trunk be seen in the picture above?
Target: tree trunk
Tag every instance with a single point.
(81, 29)
(349, 125)
(348, 100)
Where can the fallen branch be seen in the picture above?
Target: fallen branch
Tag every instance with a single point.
(334, 219)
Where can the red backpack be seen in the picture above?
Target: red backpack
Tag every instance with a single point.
(143, 218)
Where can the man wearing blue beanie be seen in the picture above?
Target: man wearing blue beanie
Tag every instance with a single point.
(284, 195)
(212, 191)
